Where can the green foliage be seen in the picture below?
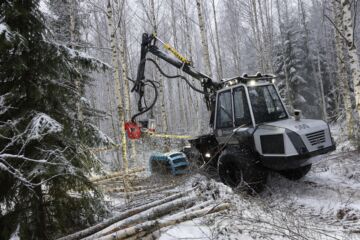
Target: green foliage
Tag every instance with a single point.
(44, 156)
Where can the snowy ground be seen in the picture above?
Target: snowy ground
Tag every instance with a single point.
(325, 204)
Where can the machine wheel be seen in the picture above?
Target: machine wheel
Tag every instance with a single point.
(238, 169)
(297, 173)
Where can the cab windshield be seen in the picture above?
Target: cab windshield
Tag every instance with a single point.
(266, 104)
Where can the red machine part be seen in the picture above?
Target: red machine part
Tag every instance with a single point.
(133, 130)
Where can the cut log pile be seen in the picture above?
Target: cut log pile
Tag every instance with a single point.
(116, 175)
(146, 220)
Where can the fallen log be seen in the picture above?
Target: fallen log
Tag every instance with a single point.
(147, 215)
(195, 207)
(154, 225)
(116, 174)
(135, 188)
(140, 235)
(126, 214)
(120, 178)
(146, 192)
(152, 236)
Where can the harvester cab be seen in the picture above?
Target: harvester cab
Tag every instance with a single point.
(253, 132)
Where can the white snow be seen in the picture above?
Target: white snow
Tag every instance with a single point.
(5, 29)
(187, 230)
(15, 235)
(42, 125)
(300, 99)
(103, 138)
(44, 7)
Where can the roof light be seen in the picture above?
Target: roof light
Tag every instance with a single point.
(273, 81)
(252, 83)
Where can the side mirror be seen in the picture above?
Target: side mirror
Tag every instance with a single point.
(297, 114)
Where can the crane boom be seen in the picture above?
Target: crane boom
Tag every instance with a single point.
(148, 45)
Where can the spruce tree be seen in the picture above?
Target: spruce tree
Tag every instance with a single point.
(294, 59)
(44, 148)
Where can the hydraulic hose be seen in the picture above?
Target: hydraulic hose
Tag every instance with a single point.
(151, 105)
(138, 86)
(174, 76)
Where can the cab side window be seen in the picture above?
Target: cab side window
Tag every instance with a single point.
(241, 108)
(224, 110)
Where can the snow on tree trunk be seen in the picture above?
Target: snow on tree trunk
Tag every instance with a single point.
(149, 214)
(124, 71)
(204, 40)
(154, 225)
(347, 22)
(343, 82)
(117, 87)
(121, 216)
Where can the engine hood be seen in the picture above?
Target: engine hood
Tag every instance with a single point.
(303, 126)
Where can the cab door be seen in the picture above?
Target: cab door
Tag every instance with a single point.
(232, 111)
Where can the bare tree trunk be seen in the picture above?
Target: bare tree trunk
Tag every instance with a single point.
(323, 100)
(266, 45)
(164, 117)
(183, 112)
(347, 22)
(117, 89)
(124, 71)
(154, 225)
(343, 83)
(40, 213)
(257, 36)
(195, 99)
(219, 60)
(121, 216)
(204, 40)
(114, 130)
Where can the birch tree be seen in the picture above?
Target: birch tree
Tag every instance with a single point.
(117, 88)
(193, 95)
(204, 40)
(164, 117)
(124, 67)
(348, 34)
(342, 71)
(218, 47)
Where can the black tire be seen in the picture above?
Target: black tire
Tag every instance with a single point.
(238, 170)
(297, 173)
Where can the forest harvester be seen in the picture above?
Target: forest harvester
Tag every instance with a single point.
(252, 131)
